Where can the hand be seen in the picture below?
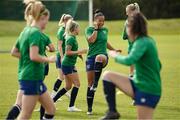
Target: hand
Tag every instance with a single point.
(113, 53)
(118, 50)
(52, 59)
(83, 51)
(81, 57)
(96, 25)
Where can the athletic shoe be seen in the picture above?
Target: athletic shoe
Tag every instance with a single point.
(111, 115)
(89, 112)
(73, 109)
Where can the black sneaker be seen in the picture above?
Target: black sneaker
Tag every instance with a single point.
(111, 115)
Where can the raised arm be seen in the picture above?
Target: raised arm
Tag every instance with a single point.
(136, 53)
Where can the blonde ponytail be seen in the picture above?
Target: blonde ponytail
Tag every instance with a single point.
(133, 7)
(64, 18)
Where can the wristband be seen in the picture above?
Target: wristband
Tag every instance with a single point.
(95, 29)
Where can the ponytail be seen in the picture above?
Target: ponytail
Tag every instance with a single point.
(64, 17)
(133, 7)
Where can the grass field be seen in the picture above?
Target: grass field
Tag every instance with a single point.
(165, 32)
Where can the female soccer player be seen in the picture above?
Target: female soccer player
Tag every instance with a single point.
(15, 110)
(97, 57)
(68, 64)
(130, 9)
(30, 49)
(60, 52)
(145, 88)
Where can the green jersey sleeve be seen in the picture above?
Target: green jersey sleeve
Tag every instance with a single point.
(69, 41)
(88, 32)
(34, 39)
(138, 49)
(60, 34)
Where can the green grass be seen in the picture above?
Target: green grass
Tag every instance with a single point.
(166, 34)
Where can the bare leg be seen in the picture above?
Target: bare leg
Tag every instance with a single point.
(28, 105)
(144, 113)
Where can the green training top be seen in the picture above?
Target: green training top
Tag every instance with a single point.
(70, 60)
(100, 45)
(61, 37)
(144, 56)
(30, 70)
(125, 37)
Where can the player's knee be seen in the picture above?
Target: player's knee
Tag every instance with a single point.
(77, 84)
(99, 58)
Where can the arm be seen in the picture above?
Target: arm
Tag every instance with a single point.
(15, 52)
(111, 48)
(136, 53)
(69, 52)
(34, 55)
(92, 38)
(60, 48)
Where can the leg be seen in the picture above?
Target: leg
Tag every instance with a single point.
(48, 104)
(28, 105)
(90, 94)
(110, 81)
(15, 110)
(76, 82)
(58, 81)
(100, 61)
(60, 76)
(144, 113)
(119, 80)
(64, 90)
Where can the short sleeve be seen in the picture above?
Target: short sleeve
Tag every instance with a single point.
(34, 39)
(88, 32)
(60, 34)
(70, 41)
